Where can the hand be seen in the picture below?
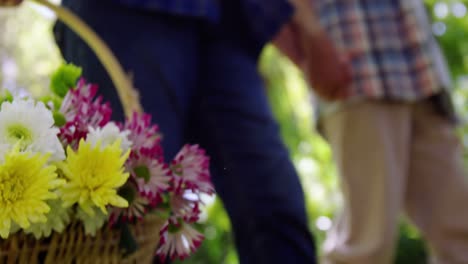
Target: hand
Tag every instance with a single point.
(328, 71)
(305, 42)
(288, 42)
(4, 3)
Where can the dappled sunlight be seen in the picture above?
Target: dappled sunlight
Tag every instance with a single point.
(28, 54)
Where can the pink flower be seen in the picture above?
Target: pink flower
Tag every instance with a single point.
(144, 135)
(146, 162)
(185, 206)
(82, 109)
(136, 210)
(82, 104)
(72, 132)
(150, 175)
(178, 240)
(137, 205)
(190, 170)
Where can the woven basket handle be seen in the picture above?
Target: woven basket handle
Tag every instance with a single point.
(127, 93)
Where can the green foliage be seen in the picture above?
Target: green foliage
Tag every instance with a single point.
(454, 41)
(6, 96)
(411, 249)
(64, 79)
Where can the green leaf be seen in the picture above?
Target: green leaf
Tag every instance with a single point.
(51, 98)
(64, 79)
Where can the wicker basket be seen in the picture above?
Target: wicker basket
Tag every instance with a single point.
(72, 245)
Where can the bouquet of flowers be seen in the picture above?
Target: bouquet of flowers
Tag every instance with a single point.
(63, 160)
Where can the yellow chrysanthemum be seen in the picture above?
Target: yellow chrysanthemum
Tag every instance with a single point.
(94, 174)
(26, 182)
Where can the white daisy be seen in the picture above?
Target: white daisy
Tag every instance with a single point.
(107, 135)
(31, 125)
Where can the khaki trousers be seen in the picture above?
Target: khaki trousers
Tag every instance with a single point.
(393, 158)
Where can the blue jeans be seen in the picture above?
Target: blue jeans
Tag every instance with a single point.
(202, 86)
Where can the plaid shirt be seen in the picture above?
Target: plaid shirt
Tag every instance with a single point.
(264, 17)
(390, 46)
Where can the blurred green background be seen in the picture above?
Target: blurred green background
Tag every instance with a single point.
(28, 56)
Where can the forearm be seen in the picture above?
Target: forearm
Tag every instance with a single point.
(307, 44)
(302, 28)
(305, 17)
